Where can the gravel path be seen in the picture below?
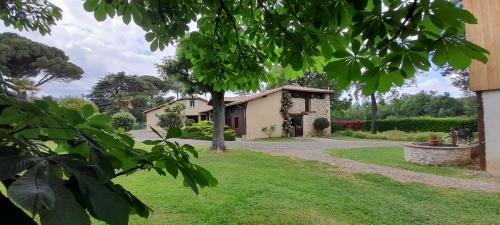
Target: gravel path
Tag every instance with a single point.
(313, 149)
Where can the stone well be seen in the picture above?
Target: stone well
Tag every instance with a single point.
(439, 155)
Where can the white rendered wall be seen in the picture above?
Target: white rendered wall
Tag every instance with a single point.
(491, 105)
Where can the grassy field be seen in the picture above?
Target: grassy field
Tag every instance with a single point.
(394, 157)
(255, 188)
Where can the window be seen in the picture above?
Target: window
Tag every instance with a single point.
(236, 122)
(191, 103)
(308, 104)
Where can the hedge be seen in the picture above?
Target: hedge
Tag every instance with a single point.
(204, 131)
(347, 124)
(412, 124)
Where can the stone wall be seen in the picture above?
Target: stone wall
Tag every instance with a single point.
(319, 108)
(437, 156)
(298, 105)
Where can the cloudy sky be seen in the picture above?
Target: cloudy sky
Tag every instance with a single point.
(111, 46)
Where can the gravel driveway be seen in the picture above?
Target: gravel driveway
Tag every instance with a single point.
(314, 149)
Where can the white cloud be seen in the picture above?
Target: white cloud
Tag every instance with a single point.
(98, 47)
(433, 82)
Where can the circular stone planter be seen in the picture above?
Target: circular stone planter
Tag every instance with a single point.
(437, 155)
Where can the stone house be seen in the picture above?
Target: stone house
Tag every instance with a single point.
(249, 115)
(196, 108)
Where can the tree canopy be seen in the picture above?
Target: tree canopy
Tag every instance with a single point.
(376, 43)
(117, 92)
(26, 59)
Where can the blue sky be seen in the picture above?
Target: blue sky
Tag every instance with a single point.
(111, 46)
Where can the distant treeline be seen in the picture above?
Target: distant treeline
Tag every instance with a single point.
(419, 105)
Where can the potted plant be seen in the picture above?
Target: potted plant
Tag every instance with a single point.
(433, 139)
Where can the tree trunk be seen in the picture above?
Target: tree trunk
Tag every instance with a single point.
(373, 129)
(218, 120)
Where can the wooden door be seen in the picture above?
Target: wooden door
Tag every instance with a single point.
(298, 125)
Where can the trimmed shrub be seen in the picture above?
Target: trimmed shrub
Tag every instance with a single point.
(123, 120)
(204, 131)
(348, 124)
(321, 124)
(412, 124)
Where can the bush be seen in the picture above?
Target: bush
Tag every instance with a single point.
(76, 103)
(413, 124)
(349, 124)
(123, 120)
(204, 131)
(188, 122)
(395, 135)
(335, 128)
(170, 119)
(321, 124)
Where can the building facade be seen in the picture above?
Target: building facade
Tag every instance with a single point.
(196, 109)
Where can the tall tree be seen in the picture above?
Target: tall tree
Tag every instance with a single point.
(373, 42)
(119, 85)
(26, 59)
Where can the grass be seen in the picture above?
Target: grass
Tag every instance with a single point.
(255, 188)
(394, 157)
(395, 135)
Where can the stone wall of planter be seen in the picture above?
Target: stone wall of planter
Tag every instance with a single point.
(437, 156)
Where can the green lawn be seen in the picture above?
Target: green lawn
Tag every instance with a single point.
(394, 157)
(255, 188)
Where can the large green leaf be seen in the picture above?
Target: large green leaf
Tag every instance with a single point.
(440, 54)
(456, 58)
(32, 191)
(12, 165)
(100, 13)
(66, 210)
(107, 205)
(90, 5)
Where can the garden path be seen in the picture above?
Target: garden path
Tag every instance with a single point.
(314, 149)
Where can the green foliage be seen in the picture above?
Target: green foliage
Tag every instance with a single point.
(26, 59)
(188, 122)
(375, 43)
(395, 135)
(76, 103)
(124, 120)
(286, 105)
(421, 104)
(30, 15)
(425, 124)
(428, 104)
(117, 92)
(170, 119)
(204, 131)
(335, 128)
(60, 163)
(314, 80)
(321, 123)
